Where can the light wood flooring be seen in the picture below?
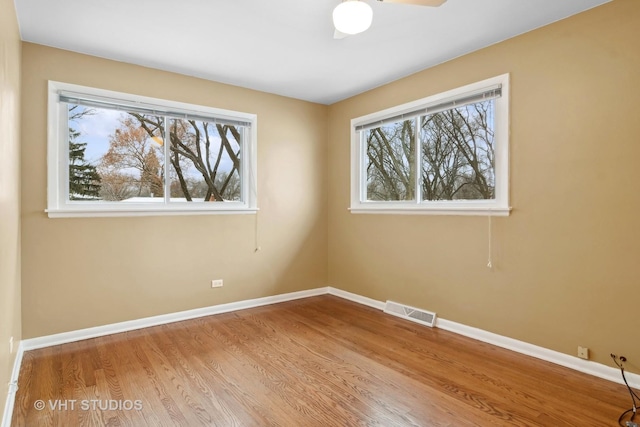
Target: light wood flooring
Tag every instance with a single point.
(320, 361)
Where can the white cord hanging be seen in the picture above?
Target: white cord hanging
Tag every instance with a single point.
(490, 238)
(256, 241)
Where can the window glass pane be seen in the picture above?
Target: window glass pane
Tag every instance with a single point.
(204, 162)
(114, 156)
(458, 153)
(390, 161)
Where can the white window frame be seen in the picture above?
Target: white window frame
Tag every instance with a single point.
(495, 207)
(58, 203)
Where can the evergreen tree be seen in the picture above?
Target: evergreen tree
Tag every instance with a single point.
(84, 180)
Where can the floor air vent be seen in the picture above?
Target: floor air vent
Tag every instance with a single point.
(423, 317)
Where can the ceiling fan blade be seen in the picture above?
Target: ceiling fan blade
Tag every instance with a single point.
(432, 3)
(339, 35)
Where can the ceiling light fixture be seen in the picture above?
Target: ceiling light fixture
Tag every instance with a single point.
(352, 17)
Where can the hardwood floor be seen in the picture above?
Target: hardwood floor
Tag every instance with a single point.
(320, 361)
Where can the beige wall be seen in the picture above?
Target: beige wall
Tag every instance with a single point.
(79, 273)
(566, 260)
(9, 193)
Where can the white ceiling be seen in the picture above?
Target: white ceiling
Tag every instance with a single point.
(284, 47)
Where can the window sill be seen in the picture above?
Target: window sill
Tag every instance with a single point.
(93, 213)
(422, 210)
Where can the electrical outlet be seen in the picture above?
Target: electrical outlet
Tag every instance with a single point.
(217, 283)
(583, 353)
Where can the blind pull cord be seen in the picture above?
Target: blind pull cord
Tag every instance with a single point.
(490, 261)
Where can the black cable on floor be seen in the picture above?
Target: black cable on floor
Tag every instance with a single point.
(634, 396)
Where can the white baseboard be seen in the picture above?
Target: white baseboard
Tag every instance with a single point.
(13, 388)
(114, 328)
(562, 359)
(98, 331)
(356, 298)
(585, 366)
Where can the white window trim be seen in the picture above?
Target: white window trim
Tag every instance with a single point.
(58, 205)
(495, 207)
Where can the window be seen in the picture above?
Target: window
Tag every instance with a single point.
(445, 154)
(115, 154)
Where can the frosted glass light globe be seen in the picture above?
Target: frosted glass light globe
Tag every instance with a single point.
(352, 16)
